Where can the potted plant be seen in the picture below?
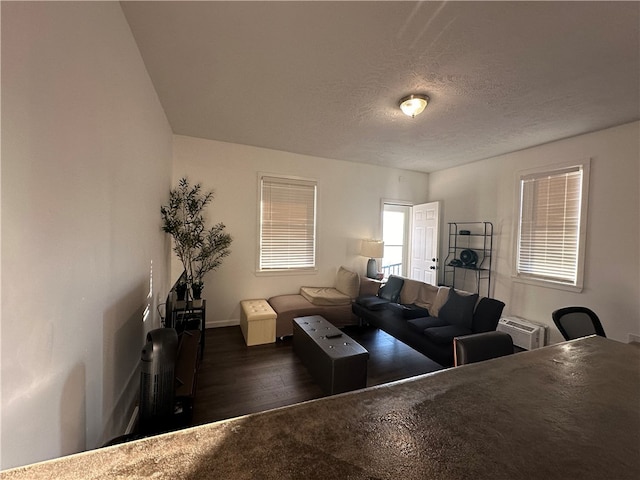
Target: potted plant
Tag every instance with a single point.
(200, 249)
(196, 289)
(181, 291)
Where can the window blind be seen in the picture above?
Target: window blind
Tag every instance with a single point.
(287, 223)
(549, 230)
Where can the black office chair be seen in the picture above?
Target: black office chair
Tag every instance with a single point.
(481, 346)
(577, 322)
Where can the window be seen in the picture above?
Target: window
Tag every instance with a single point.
(551, 227)
(287, 224)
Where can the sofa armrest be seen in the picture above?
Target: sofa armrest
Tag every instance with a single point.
(487, 315)
(369, 286)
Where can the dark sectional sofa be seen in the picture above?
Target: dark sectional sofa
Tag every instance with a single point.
(427, 318)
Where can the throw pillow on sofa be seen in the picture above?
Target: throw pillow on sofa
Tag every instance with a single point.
(458, 309)
(391, 290)
(348, 282)
(388, 293)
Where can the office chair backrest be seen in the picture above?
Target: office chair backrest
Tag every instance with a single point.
(577, 322)
(481, 346)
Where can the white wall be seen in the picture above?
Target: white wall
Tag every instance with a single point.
(349, 206)
(486, 191)
(86, 164)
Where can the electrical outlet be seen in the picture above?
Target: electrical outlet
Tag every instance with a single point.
(633, 337)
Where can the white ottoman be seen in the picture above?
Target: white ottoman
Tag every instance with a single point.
(257, 322)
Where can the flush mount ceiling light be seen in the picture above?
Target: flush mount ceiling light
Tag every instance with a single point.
(414, 104)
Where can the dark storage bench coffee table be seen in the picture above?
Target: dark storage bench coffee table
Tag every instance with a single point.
(336, 361)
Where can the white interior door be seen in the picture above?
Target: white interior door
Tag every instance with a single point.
(424, 242)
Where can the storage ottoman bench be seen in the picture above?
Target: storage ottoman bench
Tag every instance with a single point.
(337, 362)
(257, 322)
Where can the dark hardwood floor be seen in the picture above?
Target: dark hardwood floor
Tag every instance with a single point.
(235, 380)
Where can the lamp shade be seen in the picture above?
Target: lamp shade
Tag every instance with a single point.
(372, 248)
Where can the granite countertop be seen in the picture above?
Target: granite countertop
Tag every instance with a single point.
(564, 411)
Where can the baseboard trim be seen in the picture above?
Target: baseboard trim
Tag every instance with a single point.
(232, 322)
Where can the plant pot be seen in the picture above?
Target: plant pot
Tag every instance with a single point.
(181, 291)
(197, 291)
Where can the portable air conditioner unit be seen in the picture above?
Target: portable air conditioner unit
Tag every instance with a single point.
(524, 333)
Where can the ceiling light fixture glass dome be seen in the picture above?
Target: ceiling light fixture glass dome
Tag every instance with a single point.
(413, 104)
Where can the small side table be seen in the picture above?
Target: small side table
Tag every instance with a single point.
(187, 314)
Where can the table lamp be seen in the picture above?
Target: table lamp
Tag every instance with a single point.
(372, 249)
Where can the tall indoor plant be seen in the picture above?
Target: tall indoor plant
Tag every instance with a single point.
(199, 249)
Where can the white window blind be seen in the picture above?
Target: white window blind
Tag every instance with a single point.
(549, 229)
(287, 223)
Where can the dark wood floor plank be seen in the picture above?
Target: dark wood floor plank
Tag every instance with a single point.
(235, 380)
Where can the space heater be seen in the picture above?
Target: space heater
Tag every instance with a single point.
(157, 378)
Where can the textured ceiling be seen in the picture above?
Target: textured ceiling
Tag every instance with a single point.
(324, 78)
